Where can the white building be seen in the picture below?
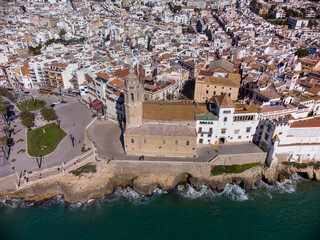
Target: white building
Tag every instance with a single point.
(229, 122)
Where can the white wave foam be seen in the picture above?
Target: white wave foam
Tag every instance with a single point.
(192, 193)
(287, 186)
(235, 193)
(136, 198)
(15, 203)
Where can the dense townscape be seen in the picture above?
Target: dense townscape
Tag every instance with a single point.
(176, 75)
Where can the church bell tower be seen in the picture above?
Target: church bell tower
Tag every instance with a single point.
(133, 99)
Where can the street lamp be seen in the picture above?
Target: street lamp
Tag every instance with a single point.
(58, 122)
(72, 139)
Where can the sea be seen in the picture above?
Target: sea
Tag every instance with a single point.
(286, 211)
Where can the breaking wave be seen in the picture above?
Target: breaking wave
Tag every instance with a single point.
(231, 191)
(136, 198)
(287, 186)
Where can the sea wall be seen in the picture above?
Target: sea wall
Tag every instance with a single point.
(164, 168)
(230, 159)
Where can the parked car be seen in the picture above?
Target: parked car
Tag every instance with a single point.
(63, 102)
(52, 105)
(56, 103)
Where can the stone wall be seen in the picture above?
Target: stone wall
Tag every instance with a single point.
(164, 168)
(240, 159)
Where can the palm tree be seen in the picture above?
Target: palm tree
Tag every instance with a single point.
(4, 140)
(7, 130)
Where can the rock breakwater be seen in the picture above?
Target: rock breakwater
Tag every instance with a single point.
(143, 181)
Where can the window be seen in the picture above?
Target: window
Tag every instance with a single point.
(239, 137)
(187, 143)
(225, 119)
(200, 129)
(222, 87)
(132, 140)
(236, 131)
(176, 142)
(248, 129)
(200, 140)
(223, 131)
(207, 85)
(229, 94)
(214, 93)
(210, 130)
(226, 111)
(269, 128)
(144, 141)
(164, 142)
(280, 133)
(132, 97)
(207, 92)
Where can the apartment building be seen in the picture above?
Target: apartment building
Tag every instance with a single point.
(57, 76)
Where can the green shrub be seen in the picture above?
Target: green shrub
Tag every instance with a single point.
(87, 168)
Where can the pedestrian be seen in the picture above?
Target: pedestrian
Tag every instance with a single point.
(142, 157)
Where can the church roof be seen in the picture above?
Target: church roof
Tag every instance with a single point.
(162, 130)
(173, 110)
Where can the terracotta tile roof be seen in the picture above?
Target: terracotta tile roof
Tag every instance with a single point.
(162, 130)
(314, 123)
(222, 63)
(175, 110)
(103, 75)
(117, 83)
(223, 101)
(62, 65)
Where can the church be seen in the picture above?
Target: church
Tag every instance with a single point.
(158, 128)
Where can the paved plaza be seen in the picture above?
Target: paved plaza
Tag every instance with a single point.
(106, 135)
(74, 118)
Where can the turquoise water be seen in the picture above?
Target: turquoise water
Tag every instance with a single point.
(286, 211)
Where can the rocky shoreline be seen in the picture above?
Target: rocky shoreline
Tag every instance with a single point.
(97, 185)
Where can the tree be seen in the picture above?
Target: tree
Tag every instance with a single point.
(302, 53)
(182, 97)
(27, 118)
(27, 122)
(62, 32)
(25, 114)
(176, 8)
(4, 140)
(170, 96)
(6, 129)
(48, 113)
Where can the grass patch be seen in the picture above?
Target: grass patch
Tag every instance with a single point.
(46, 140)
(316, 165)
(32, 105)
(87, 168)
(220, 169)
(84, 149)
(297, 165)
